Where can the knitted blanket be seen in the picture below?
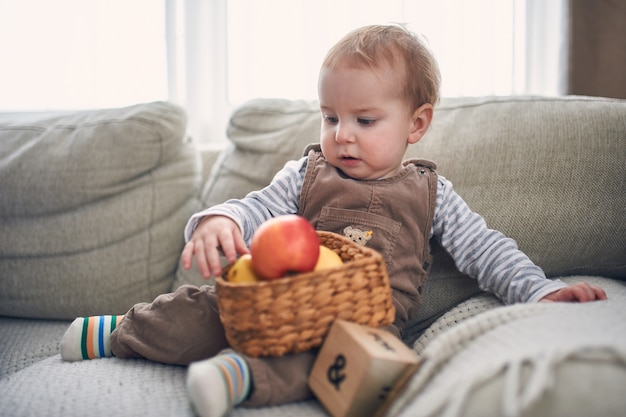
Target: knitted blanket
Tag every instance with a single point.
(533, 359)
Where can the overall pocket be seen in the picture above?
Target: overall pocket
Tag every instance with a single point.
(372, 230)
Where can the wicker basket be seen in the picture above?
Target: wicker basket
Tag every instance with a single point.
(294, 314)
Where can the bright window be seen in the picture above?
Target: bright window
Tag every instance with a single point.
(277, 50)
(212, 55)
(74, 54)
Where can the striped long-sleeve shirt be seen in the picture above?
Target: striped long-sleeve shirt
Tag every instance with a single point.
(482, 253)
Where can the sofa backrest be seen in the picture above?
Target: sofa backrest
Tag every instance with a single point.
(547, 171)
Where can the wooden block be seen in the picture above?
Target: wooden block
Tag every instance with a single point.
(358, 368)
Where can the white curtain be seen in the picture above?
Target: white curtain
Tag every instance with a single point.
(228, 51)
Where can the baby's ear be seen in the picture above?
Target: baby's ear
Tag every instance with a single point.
(420, 122)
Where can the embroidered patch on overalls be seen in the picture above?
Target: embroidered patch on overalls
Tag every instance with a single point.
(358, 236)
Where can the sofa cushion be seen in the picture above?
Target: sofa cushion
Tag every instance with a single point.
(548, 172)
(25, 342)
(93, 207)
(264, 135)
(110, 386)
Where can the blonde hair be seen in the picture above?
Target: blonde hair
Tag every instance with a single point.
(394, 45)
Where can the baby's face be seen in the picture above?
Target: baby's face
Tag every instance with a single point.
(366, 123)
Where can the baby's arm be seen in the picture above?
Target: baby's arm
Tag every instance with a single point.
(229, 226)
(494, 259)
(580, 292)
(212, 234)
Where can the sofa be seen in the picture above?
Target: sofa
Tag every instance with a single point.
(93, 204)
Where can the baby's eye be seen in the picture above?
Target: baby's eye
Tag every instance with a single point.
(330, 119)
(366, 122)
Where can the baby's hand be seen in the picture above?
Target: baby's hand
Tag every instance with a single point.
(212, 234)
(580, 292)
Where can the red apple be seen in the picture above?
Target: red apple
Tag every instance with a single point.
(282, 245)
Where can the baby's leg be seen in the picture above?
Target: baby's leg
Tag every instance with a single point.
(280, 380)
(177, 328)
(227, 380)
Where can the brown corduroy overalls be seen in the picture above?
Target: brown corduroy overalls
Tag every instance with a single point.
(391, 215)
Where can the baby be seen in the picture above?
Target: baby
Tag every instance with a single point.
(377, 90)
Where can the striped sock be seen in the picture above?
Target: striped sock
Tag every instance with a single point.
(218, 384)
(89, 338)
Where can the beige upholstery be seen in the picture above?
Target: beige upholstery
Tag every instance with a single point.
(92, 209)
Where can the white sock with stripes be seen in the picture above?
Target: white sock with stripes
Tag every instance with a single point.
(89, 338)
(218, 384)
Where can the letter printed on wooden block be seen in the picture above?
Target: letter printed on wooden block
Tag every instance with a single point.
(359, 369)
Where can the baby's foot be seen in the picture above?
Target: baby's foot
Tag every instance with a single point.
(89, 338)
(218, 384)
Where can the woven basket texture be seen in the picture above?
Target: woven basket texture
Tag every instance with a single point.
(294, 314)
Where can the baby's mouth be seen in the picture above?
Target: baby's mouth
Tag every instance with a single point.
(349, 160)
